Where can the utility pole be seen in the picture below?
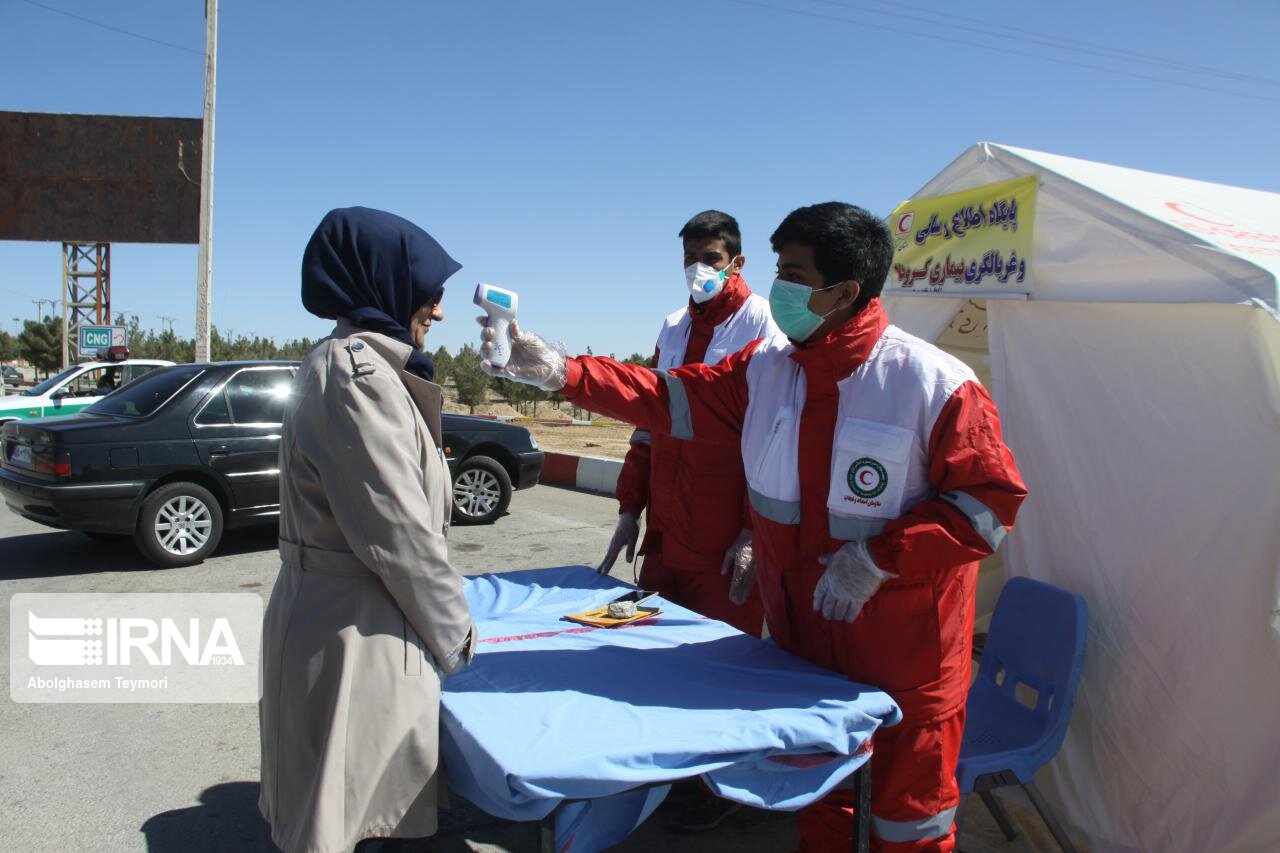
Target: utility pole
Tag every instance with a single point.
(66, 347)
(166, 320)
(204, 275)
(40, 303)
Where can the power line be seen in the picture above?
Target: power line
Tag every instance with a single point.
(1006, 51)
(114, 29)
(1050, 40)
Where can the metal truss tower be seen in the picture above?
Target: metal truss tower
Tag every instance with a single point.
(86, 292)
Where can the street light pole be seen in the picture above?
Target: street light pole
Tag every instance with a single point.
(204, 274)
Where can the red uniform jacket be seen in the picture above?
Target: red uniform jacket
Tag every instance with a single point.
(923, 477)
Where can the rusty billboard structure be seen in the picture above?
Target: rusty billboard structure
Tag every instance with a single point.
(87, 181)
(99, 178)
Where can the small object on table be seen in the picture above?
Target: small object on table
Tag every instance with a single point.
(622, 609)
(603, 617)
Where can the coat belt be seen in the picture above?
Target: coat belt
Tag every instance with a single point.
(322, 561)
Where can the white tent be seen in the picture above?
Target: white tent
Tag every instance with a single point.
(1139, 387)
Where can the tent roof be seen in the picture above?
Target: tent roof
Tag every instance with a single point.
(1110, 234)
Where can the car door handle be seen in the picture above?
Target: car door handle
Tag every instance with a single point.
(221, 450)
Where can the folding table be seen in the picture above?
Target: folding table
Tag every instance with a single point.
(584, 728)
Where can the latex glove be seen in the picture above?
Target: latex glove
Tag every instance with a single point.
(533, 361)
(626, 532)
(850, 580)
(742, 562)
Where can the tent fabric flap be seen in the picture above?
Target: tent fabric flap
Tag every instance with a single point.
(1149, 436)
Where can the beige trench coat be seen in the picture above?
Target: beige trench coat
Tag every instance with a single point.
(366, 611)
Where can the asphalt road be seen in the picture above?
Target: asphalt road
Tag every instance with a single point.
(162, 777)
(183, 777)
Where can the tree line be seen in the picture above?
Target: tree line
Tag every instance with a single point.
(40, 344)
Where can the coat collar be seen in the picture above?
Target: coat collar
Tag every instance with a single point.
(395, 352)
(427, 396)
(845, 348)
(726, 302)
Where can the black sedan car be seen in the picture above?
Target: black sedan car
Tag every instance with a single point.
(177, 456)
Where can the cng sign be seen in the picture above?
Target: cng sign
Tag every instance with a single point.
(93, 338)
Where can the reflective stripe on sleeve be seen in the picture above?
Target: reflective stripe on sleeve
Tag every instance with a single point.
(681, 417)
(914, 830)
(783, 512)
(853, 529)
(640, 436)
(984, 521)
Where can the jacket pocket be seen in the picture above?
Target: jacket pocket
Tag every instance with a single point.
(899, 636)
(869, 469)
(773, 470)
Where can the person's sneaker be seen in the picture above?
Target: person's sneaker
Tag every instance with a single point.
(703, 813)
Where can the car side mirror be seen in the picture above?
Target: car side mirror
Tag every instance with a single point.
(60, 393)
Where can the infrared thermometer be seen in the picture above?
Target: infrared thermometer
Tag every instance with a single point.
(500, 305)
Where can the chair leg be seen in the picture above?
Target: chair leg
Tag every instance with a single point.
(1049, 818)
(1001, 816)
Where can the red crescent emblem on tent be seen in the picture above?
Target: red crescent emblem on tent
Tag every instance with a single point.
(862, 477)
(1179, 207)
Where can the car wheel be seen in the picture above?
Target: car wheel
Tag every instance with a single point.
(179, 525)
(481, 491)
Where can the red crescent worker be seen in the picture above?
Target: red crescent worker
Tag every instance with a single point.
(697, 522)
(877, 479)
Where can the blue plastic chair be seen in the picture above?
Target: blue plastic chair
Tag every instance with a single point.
(1020, 705)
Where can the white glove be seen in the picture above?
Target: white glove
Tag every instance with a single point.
(533, 361)
(850, 580)
(625, 533)
(742, 561)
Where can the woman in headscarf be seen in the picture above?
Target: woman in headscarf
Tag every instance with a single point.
(367, 612)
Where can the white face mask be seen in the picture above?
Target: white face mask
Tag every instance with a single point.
(705, 282)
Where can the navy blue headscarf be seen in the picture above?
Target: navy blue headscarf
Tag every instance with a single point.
(376, 269)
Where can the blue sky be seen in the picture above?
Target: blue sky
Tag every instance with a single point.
(557, 147)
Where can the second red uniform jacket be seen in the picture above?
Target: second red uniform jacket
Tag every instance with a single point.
(695, 491)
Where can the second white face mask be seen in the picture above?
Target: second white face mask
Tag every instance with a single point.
(704, 282)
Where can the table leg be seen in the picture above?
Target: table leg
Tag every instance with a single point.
(547, 832)
(862, 809)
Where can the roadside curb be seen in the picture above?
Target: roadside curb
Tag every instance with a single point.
(593, 474)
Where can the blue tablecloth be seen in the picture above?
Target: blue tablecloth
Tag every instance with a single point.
(552, 711)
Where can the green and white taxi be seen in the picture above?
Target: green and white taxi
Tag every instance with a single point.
(77, 386)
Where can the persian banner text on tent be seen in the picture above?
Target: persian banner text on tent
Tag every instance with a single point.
(976, 241)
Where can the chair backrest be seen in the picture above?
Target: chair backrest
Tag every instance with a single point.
(1035, 651)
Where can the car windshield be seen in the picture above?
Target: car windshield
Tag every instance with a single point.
(145, 395)
(43, 387)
